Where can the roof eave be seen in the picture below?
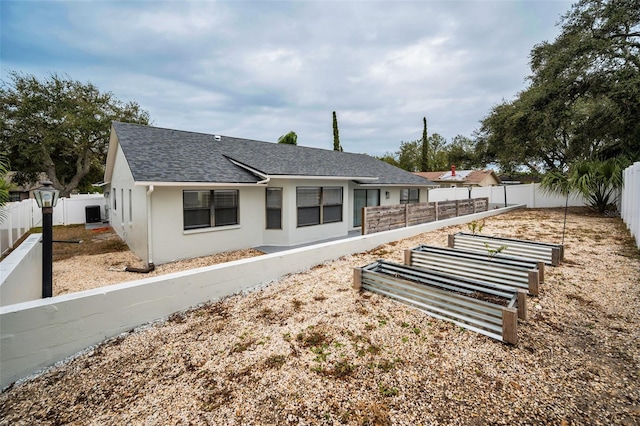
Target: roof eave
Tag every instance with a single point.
(196, 184)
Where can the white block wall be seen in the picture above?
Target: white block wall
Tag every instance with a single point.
(21, 273)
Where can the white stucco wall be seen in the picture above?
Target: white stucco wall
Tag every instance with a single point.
(170, 241)
(132, 230)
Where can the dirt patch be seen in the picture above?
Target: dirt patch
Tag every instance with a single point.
(309, 350)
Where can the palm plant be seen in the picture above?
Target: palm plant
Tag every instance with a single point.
(599, 182)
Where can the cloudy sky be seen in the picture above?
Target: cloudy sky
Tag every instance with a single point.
(258, 70)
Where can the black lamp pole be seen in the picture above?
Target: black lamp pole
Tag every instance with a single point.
(47, 252)
(47, 197)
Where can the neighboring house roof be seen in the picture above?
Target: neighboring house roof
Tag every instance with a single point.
(469, 177)
(163, 155)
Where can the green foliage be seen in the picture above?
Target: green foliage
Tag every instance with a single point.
(409, 156)
(475, 227)
(599, 182)
(59, 126)
(497, 250)
(4, 186)
(584, 97)
(424, 155)
(289, 139)
(465, 153)
(387, 390)
(336, 135)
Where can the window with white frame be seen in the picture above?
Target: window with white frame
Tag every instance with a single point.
(205, 209)
(317, 205)
(409, 196)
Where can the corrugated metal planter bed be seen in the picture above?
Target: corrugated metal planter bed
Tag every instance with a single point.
(551, 254)
(497, 269)
(476, 305)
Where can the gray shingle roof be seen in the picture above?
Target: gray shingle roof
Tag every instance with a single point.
(163, 155)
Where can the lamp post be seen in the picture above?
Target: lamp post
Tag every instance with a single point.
(47, 197)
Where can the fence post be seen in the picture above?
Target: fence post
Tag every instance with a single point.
(406, 215)
(363, 222)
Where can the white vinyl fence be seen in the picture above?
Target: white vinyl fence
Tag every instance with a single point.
(21, 216)
(530, 194)
(630, 210)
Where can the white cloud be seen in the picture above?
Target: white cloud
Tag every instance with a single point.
(260, 69)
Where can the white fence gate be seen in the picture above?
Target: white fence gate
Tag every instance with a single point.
(630, 205)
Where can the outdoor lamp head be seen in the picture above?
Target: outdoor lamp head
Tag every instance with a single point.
(46, 196)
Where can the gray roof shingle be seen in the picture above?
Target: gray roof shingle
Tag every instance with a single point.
(163, 155)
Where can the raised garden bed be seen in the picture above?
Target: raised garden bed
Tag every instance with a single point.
(551, 254)
(497, 269)
(476, 305)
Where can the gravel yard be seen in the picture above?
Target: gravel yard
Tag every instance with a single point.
(309, 350)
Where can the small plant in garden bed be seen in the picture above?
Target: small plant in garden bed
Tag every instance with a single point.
(476, 227)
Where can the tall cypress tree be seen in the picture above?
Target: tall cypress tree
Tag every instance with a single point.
(424, 158)
(336, 136)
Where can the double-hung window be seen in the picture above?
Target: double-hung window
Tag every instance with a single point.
(316, 205)
(205, 209)
(274, 208)
(409, 196)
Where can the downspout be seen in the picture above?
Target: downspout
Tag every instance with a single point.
(149, 228)
(150, 266)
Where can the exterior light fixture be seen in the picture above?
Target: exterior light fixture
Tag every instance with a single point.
(47, 198)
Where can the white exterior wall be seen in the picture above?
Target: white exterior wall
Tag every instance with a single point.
(133, 232)
(170, 241)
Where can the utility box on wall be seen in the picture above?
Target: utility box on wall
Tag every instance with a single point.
(92, 214)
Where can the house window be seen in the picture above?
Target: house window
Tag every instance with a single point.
(274, 208)
(130, 207)
(115, 202)
(204, 209)
(409, 196)
(225, 207)
(318, 205)
(331, 205)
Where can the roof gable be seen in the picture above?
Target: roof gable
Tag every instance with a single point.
(164, 155)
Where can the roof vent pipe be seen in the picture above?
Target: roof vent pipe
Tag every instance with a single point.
(453, 170)
(217, 137)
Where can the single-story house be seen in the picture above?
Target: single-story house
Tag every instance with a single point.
(176, 194)
(458, 178)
